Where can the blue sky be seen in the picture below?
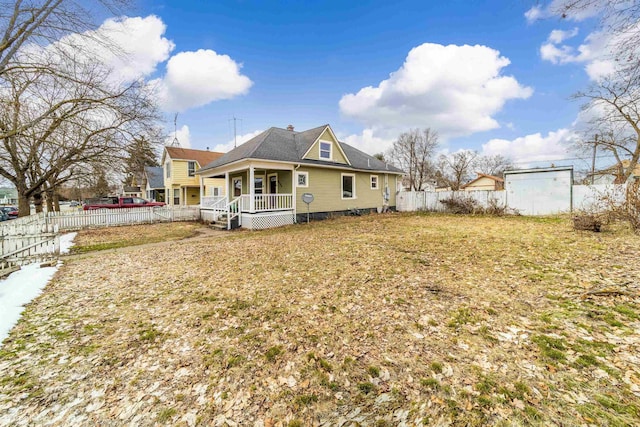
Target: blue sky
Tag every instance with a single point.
(304, 63)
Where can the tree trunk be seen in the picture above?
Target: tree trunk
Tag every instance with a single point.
(49, 194)
(23, 205)
(37, 201)
(56, 201)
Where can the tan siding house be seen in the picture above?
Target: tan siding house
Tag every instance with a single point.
(267, 177)
(182, 186)
(484, 183)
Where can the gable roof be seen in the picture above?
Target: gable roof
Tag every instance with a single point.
(289, 146)
(201, 156)
(155, 176)
(482, 175)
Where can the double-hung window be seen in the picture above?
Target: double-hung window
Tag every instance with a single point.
(325, 150)
(348, 186)
(374, 182)
(192, 168)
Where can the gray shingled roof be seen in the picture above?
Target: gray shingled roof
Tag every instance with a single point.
(289, 146)
(155, 175)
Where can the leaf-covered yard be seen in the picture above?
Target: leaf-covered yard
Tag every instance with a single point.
(378, 320)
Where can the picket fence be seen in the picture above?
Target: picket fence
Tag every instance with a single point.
(36, 237)
(27, 243)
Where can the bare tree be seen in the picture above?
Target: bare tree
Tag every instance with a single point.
(614, 104)
(455, 169)
(413, 152)
(94, 122)
(617, 17)
(492, 165)
(46, 21)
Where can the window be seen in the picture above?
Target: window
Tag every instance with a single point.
(192, 168)
(258, 184)
(325, 150)
(237, 187)
(374, 182)
(176, 196)
(216, 191)
(138, 201)
(302, 179)
(348, 186)
(167, 169)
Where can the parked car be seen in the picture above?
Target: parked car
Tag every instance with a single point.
(11, 211)
(3, 216)
(118, 202)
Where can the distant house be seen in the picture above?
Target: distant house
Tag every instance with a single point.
(608, 175)
(131, 191)
(428, 185)
(154, 178)
(484, 183)
(182, 185)
(8, 196)
(266, 178)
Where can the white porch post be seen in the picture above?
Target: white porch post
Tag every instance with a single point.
(226, 187)
(252, 189)
(201, 189)
(294, 184)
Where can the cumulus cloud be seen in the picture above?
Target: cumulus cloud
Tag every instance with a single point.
(194, 79)
(558, 36)
(368, 142)
(131, 48)
(241, 139)
(183, 135)
(557, 8)
(453, 89)
(533, 148)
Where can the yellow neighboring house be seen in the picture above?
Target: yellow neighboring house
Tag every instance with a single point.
(484, 183)
(182, 185)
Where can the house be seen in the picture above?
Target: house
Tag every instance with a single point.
(181, 184)
(154, 179)
(269, 177)
(608, 175)
(131, 191)
(484, 183)
(8, 196)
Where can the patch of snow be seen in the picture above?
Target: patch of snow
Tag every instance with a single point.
(22, 286)
(66, 242)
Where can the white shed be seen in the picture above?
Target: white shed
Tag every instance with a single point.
(540, 191)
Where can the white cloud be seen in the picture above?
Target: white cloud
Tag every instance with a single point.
(533, 148)
(556, 8)
(197, 78)
(183, 135)
(368, 142)
(558, 36)
(131, 48)
(453, 89)
(241, 139)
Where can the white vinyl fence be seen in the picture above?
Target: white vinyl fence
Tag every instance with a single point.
(410, 201)
(581, 197)
(114, 217)
(23, 244)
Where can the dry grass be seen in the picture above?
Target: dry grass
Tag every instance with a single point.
(373, 320)
(118, 237)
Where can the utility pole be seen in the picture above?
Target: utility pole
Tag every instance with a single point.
(593, 160)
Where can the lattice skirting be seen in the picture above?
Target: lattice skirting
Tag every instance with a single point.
(266, 220)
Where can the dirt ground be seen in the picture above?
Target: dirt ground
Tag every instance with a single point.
(381, 320)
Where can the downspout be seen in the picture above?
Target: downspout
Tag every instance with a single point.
(295, 194)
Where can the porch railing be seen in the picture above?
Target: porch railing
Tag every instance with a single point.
(213, 201)
(272, 202)
(234, 210)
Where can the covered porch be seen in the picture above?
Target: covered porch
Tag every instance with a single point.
(260, 195)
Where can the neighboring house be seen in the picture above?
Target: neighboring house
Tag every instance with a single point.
(405, 185)
(484, 183)
(182, 185)
(154, 178)
(267, 176)
(131, 191)
(8, 196)
(608, 175)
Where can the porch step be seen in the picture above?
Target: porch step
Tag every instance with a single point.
(219, 224)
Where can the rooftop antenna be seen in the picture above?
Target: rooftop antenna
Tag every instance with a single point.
(175, 142)
(235, 133)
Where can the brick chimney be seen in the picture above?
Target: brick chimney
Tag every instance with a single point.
(290, 128)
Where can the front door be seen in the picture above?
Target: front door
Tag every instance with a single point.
(237, 187)
(273, 184)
